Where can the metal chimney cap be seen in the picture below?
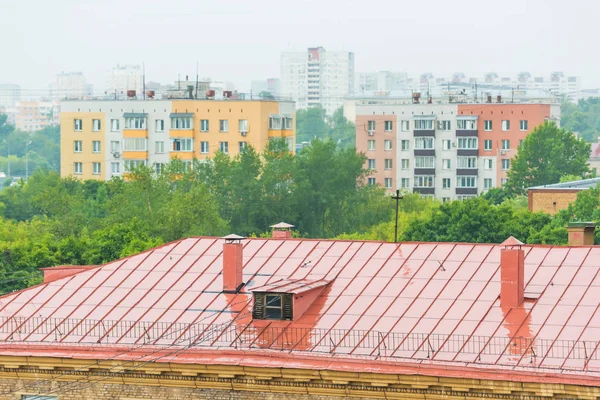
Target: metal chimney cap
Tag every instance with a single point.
(282, 225)
(232, 238)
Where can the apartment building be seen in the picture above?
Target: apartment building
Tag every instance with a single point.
(449, 151)
(32, 116)
(101, 139)
(70, 85)
(317, 77)
(10, 95)
(123, 78)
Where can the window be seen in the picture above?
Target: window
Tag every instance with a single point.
(424, 143)
(77, 168)
(466, 162)
(115, 146)
(388, 126)
(223, 125)
(487, 125)
(467, 143)
(288, 123)
(158, 168)
(371, 163)
(503, 181)
(96, 168)
(203, 125)
(181, 123)
(487, 183)
(405, 163)
(487, 145)
(523, 125)
(114, 125)
(446, 125)
(387, 145)
(446, 164)
(135, 123)
(274, 122)
(505, 144)
(424, 124)
(405, 183)
(446, 144)
(130, 165)
(446, 183)
(371, 145)
(424, 162)
(388, 163)
(242, 146)
(38, 397)
(204, 147)
(465, 197)
(77, 146)
(487, 163)
(159, 147)
(466, 182)
(404, 126)
(466, 125)
(388, 183)
(186, 144)
(96, 125)
(505, 125)
(405, 145)
(445, 199)
(520, 142)
(505, 164)
(78, 125)
(134, 144)
(115, 168)
(424, 181)
(96, 146)
(371, 126)
(372, 181)
(224, 147)
(159, 125)
(243, 125)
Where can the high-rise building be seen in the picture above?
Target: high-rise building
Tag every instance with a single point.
(382, 81)
(270, 86)
(101, 139)
(449, 151)
(317, 77)
(10, 95)
(123, 78)
(71, 86)
(32, 116)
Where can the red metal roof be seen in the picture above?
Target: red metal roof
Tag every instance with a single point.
(428, 302)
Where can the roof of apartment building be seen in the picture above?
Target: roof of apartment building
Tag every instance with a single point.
(571, 185)
(411, 308)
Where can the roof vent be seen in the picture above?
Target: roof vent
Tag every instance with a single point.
(282, 230)
(233, 262)
(512, 273)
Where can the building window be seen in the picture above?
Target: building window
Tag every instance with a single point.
(131, 165)
(467, 143)
(181, 123)
(487, 163)
(371, 181)
(466, 125)
(96, 146)
(371, 144)
(424, 124)
(242, 146)
(388, 126)
(115, 168)
(446, 125)
(288, 123)
(203, 125)
(465, 197)
(134, 144)
(505, 144)
(487, 145)
(159, 147)
(505, 164)
(405, 163)
(387, 145)
(223, 125)
(405, 145)
(78, 125)
(224, 147)
(388, 183)
(446, 183)
(115, 146)
(404, 126)
(405, 183)
(504, 181)
(487, 183)
(135, 123)
(243, 125)
(388, 163)
(466, 162)
(520, 142)
(446, 164)
(96, 170)
(445, 199)
(158, 168)
(96, 125)
(77, 168)
(77, 146)
(186, 144)
(446, 144)
(204, 147)
(505, 125)
(424, 181)
(114, 125)
(371, 126)
(466, 182)
(159, 125)
(523, 125)
(424, 162)
(371, 163)
(487, 125)
(424, 143)
(274, 122)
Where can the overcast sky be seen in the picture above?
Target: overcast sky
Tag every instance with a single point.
(241, 40)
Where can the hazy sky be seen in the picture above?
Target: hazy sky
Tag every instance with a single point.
(241, 40)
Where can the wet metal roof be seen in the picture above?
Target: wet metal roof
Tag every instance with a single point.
(573, 185)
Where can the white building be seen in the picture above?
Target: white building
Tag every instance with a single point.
(382, 81)
(70, 85)
(123, 78)
(317, 77)
(10, 95)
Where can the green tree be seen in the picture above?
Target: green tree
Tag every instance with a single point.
(311, 124)
(583, 117)
(547, 154)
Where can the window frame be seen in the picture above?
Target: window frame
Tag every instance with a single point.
(386, 181)
(77, 127)
(204, 125)
(94, 142)
(388, 126)
(75, 146)
(98, 170)
(224, 147)
(202, 144)
(505, 125)
(95, 122)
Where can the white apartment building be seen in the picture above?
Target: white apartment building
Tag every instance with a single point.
(123, 78)
(70, 86)
(382, 81)
(317, 77)
(10, 95)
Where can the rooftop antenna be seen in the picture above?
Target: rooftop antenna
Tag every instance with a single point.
(197, 67)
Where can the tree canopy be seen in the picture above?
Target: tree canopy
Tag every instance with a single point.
(583, 118)
(313, 123)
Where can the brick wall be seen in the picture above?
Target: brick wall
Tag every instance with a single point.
(551, 201)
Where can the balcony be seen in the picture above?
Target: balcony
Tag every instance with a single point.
(181, 133)
(467, 171)
(467, 152)
(467, 133)
(135, 133)
(424, 132)
(466, 190)
(424, 171)
(425, 152)
(428, 190)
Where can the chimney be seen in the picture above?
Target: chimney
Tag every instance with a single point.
(499, 99)
(233, 262)
(512, 273)
(52, 274)
(282, 230)
(581, 233)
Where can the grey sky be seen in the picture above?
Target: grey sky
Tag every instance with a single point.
(241, 40)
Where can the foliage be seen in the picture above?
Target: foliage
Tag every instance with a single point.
(313, 123)
(583, 118)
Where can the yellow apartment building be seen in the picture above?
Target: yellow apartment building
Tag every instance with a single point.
(101, 139)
